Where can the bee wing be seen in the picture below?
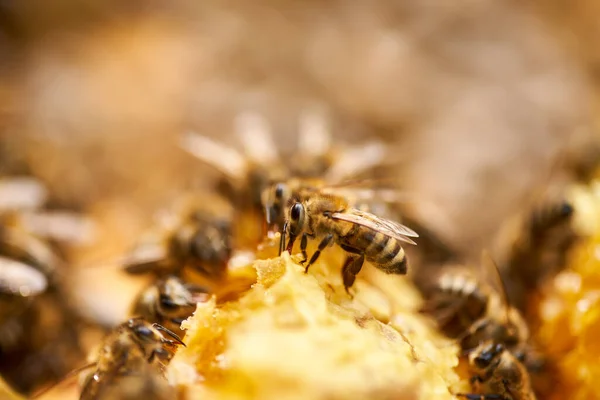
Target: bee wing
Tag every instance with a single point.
(254, 133)
(24, 246)
(360, 194)
(19, 193)
(63, 226)
(314, 136)
(225, 159)
(387, 227)
(21, 279)
(355, 160)
(145, 257)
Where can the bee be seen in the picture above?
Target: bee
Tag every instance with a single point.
(473, 312)
(359, 233)
(534, 247)
(497, 375)
(168, 302)
(245, 174)
(201, 240)
(136, 351)
(39, 340)
(469, 309)
(260, 183)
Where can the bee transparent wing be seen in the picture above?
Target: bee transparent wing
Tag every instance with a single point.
(253, 131)
(225, 159)
(145, 257)
(355, 160)
(367, 194)
(314, 136)
(20, 279)
(20, 193)
(387, 227)
(62, 226)
(18, 244)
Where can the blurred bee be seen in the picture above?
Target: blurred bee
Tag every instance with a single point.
(38, 329)
(199, 238)
(135, 352)
(253, 177)
(497, 375)
(39, 339)
(533, 247)
(473, 312)
(168, 302)
(360, 233)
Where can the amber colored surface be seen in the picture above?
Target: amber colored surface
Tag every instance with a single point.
(570, 308)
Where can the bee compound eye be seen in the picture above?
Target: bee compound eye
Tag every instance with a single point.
(296, 211)
(144, 331)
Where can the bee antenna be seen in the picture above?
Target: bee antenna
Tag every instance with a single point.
(65, 378)
(169, 332)
(282, 238)
(485, 255)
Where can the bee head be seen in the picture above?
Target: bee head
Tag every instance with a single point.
(484, 356)
(143, 330)
(293, 226)
(274, 200)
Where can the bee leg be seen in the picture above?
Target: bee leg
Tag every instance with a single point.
(351, 267)
(303, 244)
(324, 243)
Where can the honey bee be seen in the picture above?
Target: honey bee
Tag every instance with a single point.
(263, 182)
(168, 302)
(136, 351)
(497, 375)
(39, 338)
(38, 328)
(468, 309)
(245, 174)
(360, 233)
(201, 241)
(474, 312)
(534, 246)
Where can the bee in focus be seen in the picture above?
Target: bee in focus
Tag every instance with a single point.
(134, 352)
(364, 235)
(168, 302)
(534, 247)
(497, 375)
(198, 238)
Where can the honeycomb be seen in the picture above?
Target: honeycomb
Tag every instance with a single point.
(297, 335)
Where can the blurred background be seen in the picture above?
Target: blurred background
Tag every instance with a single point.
(477, 99)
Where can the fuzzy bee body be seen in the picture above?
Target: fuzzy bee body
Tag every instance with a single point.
(359, 233)
(201, 241)
(534, 246)
(168, 302)
(135, 349)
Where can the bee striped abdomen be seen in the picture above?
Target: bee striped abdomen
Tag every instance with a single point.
(383, 251)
